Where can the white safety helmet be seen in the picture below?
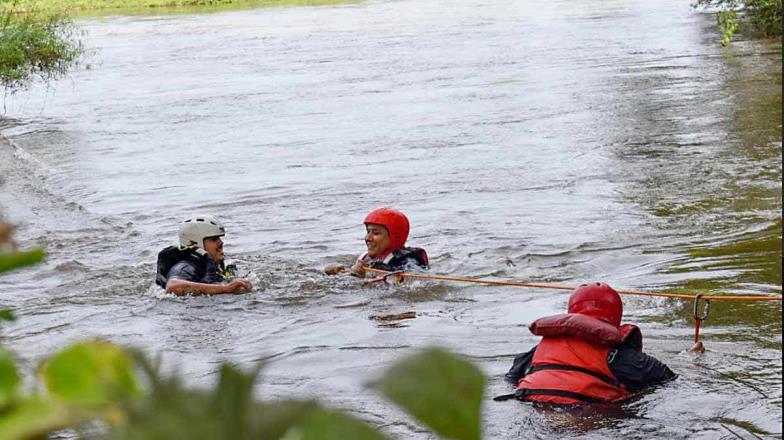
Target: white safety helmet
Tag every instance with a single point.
(194, 230)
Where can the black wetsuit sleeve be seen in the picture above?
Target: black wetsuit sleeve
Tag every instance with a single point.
(183, 271)
(638, 370)
(519, 366)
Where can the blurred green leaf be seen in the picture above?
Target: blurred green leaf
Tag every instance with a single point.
(232, 400)
(170, 411)
(7, 315)
(271, 420)
(91, 373)
(33, 418)
(173, 414)
(323, 424)
(20, 259)
(440, 389)
(9, 378)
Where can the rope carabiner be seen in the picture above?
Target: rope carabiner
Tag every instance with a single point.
(699, 318)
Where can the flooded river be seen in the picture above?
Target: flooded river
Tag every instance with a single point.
(559, 142)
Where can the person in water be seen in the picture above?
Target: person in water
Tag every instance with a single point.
(385, 238)
(197, 265)
(586, 355)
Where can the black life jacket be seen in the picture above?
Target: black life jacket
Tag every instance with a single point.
(400, 258)
(172, 255)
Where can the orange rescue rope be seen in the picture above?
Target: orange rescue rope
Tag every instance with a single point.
(698, 318)
(401, 275)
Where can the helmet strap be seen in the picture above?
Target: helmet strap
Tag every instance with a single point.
(193, 248)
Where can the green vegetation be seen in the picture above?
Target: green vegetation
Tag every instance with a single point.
(35, 46)
(11, 258)
(105, 391)
(96, 383)
(90, 5)
(761, 17)
(440, 390)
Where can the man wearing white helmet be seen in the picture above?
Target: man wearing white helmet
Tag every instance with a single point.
(196, 266)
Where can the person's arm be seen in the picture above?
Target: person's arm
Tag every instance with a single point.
(520, 365)
(334, 269)
(181, 281)
(182, 287)
(638, 370)
(357, 270)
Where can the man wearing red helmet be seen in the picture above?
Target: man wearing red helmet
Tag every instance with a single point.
(586, 355)
(385, 238)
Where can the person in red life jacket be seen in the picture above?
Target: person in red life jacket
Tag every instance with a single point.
(385, 238)
(586, 355)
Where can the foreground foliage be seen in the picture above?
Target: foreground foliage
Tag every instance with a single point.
(95, 383)
(10, 257)
(35, 45)
(105, 391)
(763, 17)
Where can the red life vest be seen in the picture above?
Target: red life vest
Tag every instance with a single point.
(570, 364)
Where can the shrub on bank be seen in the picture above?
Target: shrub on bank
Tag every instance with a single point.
(761, 17)
(36, 46)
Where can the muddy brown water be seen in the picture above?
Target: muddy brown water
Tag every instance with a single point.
(564, 142)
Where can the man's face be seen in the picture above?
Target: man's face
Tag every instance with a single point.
(214, 247)
(376, 239)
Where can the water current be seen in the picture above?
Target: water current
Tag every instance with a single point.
(562, 141)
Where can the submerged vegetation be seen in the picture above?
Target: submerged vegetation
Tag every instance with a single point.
(760, 17)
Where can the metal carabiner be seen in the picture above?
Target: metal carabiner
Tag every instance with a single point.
(698, 346)
(705, 308)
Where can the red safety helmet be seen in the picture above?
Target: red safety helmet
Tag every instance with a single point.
(599, 301)
(395, 222)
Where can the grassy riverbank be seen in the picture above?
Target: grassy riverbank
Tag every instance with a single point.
(94, 5)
